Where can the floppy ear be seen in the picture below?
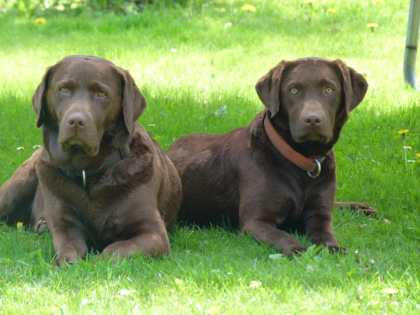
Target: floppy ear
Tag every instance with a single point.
(268, 88)
(133, 102)
(354, 86)
(39, 99)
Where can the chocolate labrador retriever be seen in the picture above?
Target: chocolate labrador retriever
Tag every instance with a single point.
(102, 180)
(278, 173)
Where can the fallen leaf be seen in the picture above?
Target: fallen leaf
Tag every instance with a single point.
(275, 256)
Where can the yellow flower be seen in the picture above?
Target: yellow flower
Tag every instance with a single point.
(333, 11)
(248, 8)
(19, 225)
(418, 155)
(41, 21)
(377, 1)
(365, 72)
(372, 26)
(403, 131)
(309, 1)
(213, 310)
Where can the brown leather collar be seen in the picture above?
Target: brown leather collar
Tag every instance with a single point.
(307, 164)
(118, 155)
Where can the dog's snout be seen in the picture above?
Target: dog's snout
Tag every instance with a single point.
(312, 119)
(76, 120)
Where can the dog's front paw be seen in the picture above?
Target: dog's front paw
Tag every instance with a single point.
(337, 249)
(66, 259)
(294, 250)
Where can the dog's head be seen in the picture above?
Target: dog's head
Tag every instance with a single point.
(311, 97)
(85, 98)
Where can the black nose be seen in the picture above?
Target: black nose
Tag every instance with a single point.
(76, 120)
(312, 119)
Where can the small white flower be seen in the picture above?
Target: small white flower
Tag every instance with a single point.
(228, 24)
(20, 148)
(411, 161)
(255, 284)
(391, 291)
(173, 50)
(179, 282)
(407, 147)
(125, 292)
(36, 146)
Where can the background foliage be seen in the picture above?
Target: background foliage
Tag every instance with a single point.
(33, 7)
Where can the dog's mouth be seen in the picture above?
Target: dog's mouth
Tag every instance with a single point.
(312, 138)
(77, 146)
(302, 134)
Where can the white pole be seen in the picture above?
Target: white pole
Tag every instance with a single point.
(411, 44)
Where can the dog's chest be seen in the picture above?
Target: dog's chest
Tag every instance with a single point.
(100, 213)
(98, 207)
(295, 194)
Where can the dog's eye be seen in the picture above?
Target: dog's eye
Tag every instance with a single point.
(101, 94)
(329, 90)
(294, 90)
(64, 90)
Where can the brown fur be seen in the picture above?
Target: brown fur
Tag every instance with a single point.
(126, 207)
(241, 178)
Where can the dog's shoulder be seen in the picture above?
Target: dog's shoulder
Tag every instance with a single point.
(141, 154)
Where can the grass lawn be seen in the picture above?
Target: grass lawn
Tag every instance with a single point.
(189, 62)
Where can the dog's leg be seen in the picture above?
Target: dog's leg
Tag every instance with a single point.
(318, 227)
(356, 207)
(259, 213)
(68, 232)
(265, 232)
(69, 244)
(17, 194)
